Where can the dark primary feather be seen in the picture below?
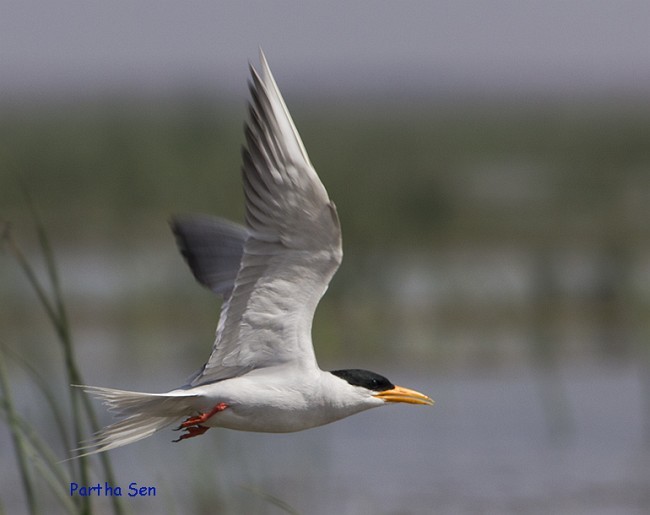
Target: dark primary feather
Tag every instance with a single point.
(212, 247)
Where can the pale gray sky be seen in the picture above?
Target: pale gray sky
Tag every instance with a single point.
(72, 47)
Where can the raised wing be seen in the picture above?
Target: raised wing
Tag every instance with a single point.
(292, 252)
(213, 249)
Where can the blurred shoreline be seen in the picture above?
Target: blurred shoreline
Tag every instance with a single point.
(498, 259)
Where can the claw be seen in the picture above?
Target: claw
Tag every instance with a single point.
(202, 417)
(193, 425)
(193, 421)
(192, 432)
(189, 422)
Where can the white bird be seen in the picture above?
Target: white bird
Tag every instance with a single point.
(262, 374)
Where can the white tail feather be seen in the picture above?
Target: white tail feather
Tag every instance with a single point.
(145, 413)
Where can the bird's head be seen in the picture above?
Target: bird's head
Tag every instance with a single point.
(378, 387)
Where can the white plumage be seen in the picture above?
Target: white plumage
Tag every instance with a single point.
(262, 373)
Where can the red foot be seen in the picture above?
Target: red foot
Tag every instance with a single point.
(202, 417)
(192, 432)
(193, 425)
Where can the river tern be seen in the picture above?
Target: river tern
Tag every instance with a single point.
(262, 373)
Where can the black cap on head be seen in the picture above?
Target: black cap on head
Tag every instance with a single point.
(364, 378)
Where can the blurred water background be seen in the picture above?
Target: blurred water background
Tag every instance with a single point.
(491, 170)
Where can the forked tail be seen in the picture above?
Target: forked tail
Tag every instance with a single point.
(143, 414)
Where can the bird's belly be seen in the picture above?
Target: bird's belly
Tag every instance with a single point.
(267, 420)
(272, 411)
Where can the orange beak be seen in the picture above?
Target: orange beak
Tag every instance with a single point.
(401, 394)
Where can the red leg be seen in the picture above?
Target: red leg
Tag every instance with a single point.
(202, 417)
(193, 425)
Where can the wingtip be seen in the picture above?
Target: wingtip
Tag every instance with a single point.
(264, 64)
(263, 61)
(267, 76)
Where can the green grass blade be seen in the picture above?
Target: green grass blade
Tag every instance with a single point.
(45, 462)
(18, 440)
(80, 402)
(45, 390)
(54, 306)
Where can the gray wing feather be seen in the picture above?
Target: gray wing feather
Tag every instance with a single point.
(292, 251)
(212, 248)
